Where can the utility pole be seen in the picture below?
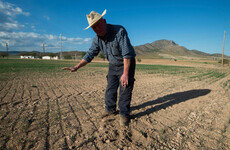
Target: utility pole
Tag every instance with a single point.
(223, 51)
(60, 47)
(7, 53)
(43, 49)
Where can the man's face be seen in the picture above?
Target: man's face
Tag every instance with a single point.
(100, 27)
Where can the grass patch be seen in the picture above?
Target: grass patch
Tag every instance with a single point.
(213, 75)
(29, 65)
(227, 84)
(10, 67)
(47, 66)
(198, 62)
(202, 75)
(218, 75)
(41, 66)
(154, 69)
(220, 141)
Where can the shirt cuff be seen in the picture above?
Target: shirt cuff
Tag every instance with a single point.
(86, 58)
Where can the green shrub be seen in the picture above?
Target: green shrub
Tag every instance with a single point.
(102, 56)
(83, 54)
(138, 59)
(67, 57)
(3, 54)
(225, 61)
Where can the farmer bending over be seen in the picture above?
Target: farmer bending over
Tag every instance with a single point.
(113, 42)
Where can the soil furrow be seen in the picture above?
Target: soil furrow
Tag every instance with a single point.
(6, 91)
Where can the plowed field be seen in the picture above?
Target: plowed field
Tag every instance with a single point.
(173, 107)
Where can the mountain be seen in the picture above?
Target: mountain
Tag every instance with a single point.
(12, 52)
(159, 49)
(168, 49)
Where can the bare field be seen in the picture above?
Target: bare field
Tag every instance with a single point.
(173, 107)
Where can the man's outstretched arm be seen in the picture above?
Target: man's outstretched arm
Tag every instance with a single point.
(82, 63)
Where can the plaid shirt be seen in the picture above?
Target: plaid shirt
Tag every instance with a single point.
(115, 48)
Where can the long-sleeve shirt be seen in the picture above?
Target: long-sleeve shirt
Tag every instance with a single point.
(115, 48)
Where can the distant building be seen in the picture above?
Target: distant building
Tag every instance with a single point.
(27, 57)
(49, 57)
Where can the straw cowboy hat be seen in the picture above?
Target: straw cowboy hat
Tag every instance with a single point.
(93, 17)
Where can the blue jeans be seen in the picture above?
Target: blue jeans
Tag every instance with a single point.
(125, 93)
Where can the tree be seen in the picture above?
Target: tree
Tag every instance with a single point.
(29, 54)
(83, 54)
(33, 54)
(67, 57)
(51, 54)
(138, 59)
(40, 56)
(226, 61)
(23, 54)
(102, 56)
(4, 54)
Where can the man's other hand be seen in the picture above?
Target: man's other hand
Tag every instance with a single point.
(124, 80)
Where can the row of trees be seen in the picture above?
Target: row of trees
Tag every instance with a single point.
(4, 54)
(83, 54)
(37, 54)
(225, 61)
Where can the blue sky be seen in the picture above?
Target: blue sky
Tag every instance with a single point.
(195, 24)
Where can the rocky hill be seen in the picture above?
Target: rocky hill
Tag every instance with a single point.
(168, 49)
(158, 49)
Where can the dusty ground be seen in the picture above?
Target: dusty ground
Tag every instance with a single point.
(62, 111)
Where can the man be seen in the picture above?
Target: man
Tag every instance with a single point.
(113, 42)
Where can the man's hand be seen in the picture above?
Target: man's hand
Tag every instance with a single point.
(75, 68)
(72, 69)
(124, 80)
(125, 76)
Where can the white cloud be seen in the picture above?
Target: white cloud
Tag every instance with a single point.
(9, 26)
(8, 12)
(11, 9)
(28, 40)
(51, 37)
(77, 40)
(47, 18)
(87, 39)
(63, 38)
(31, 40)
(20, 39)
